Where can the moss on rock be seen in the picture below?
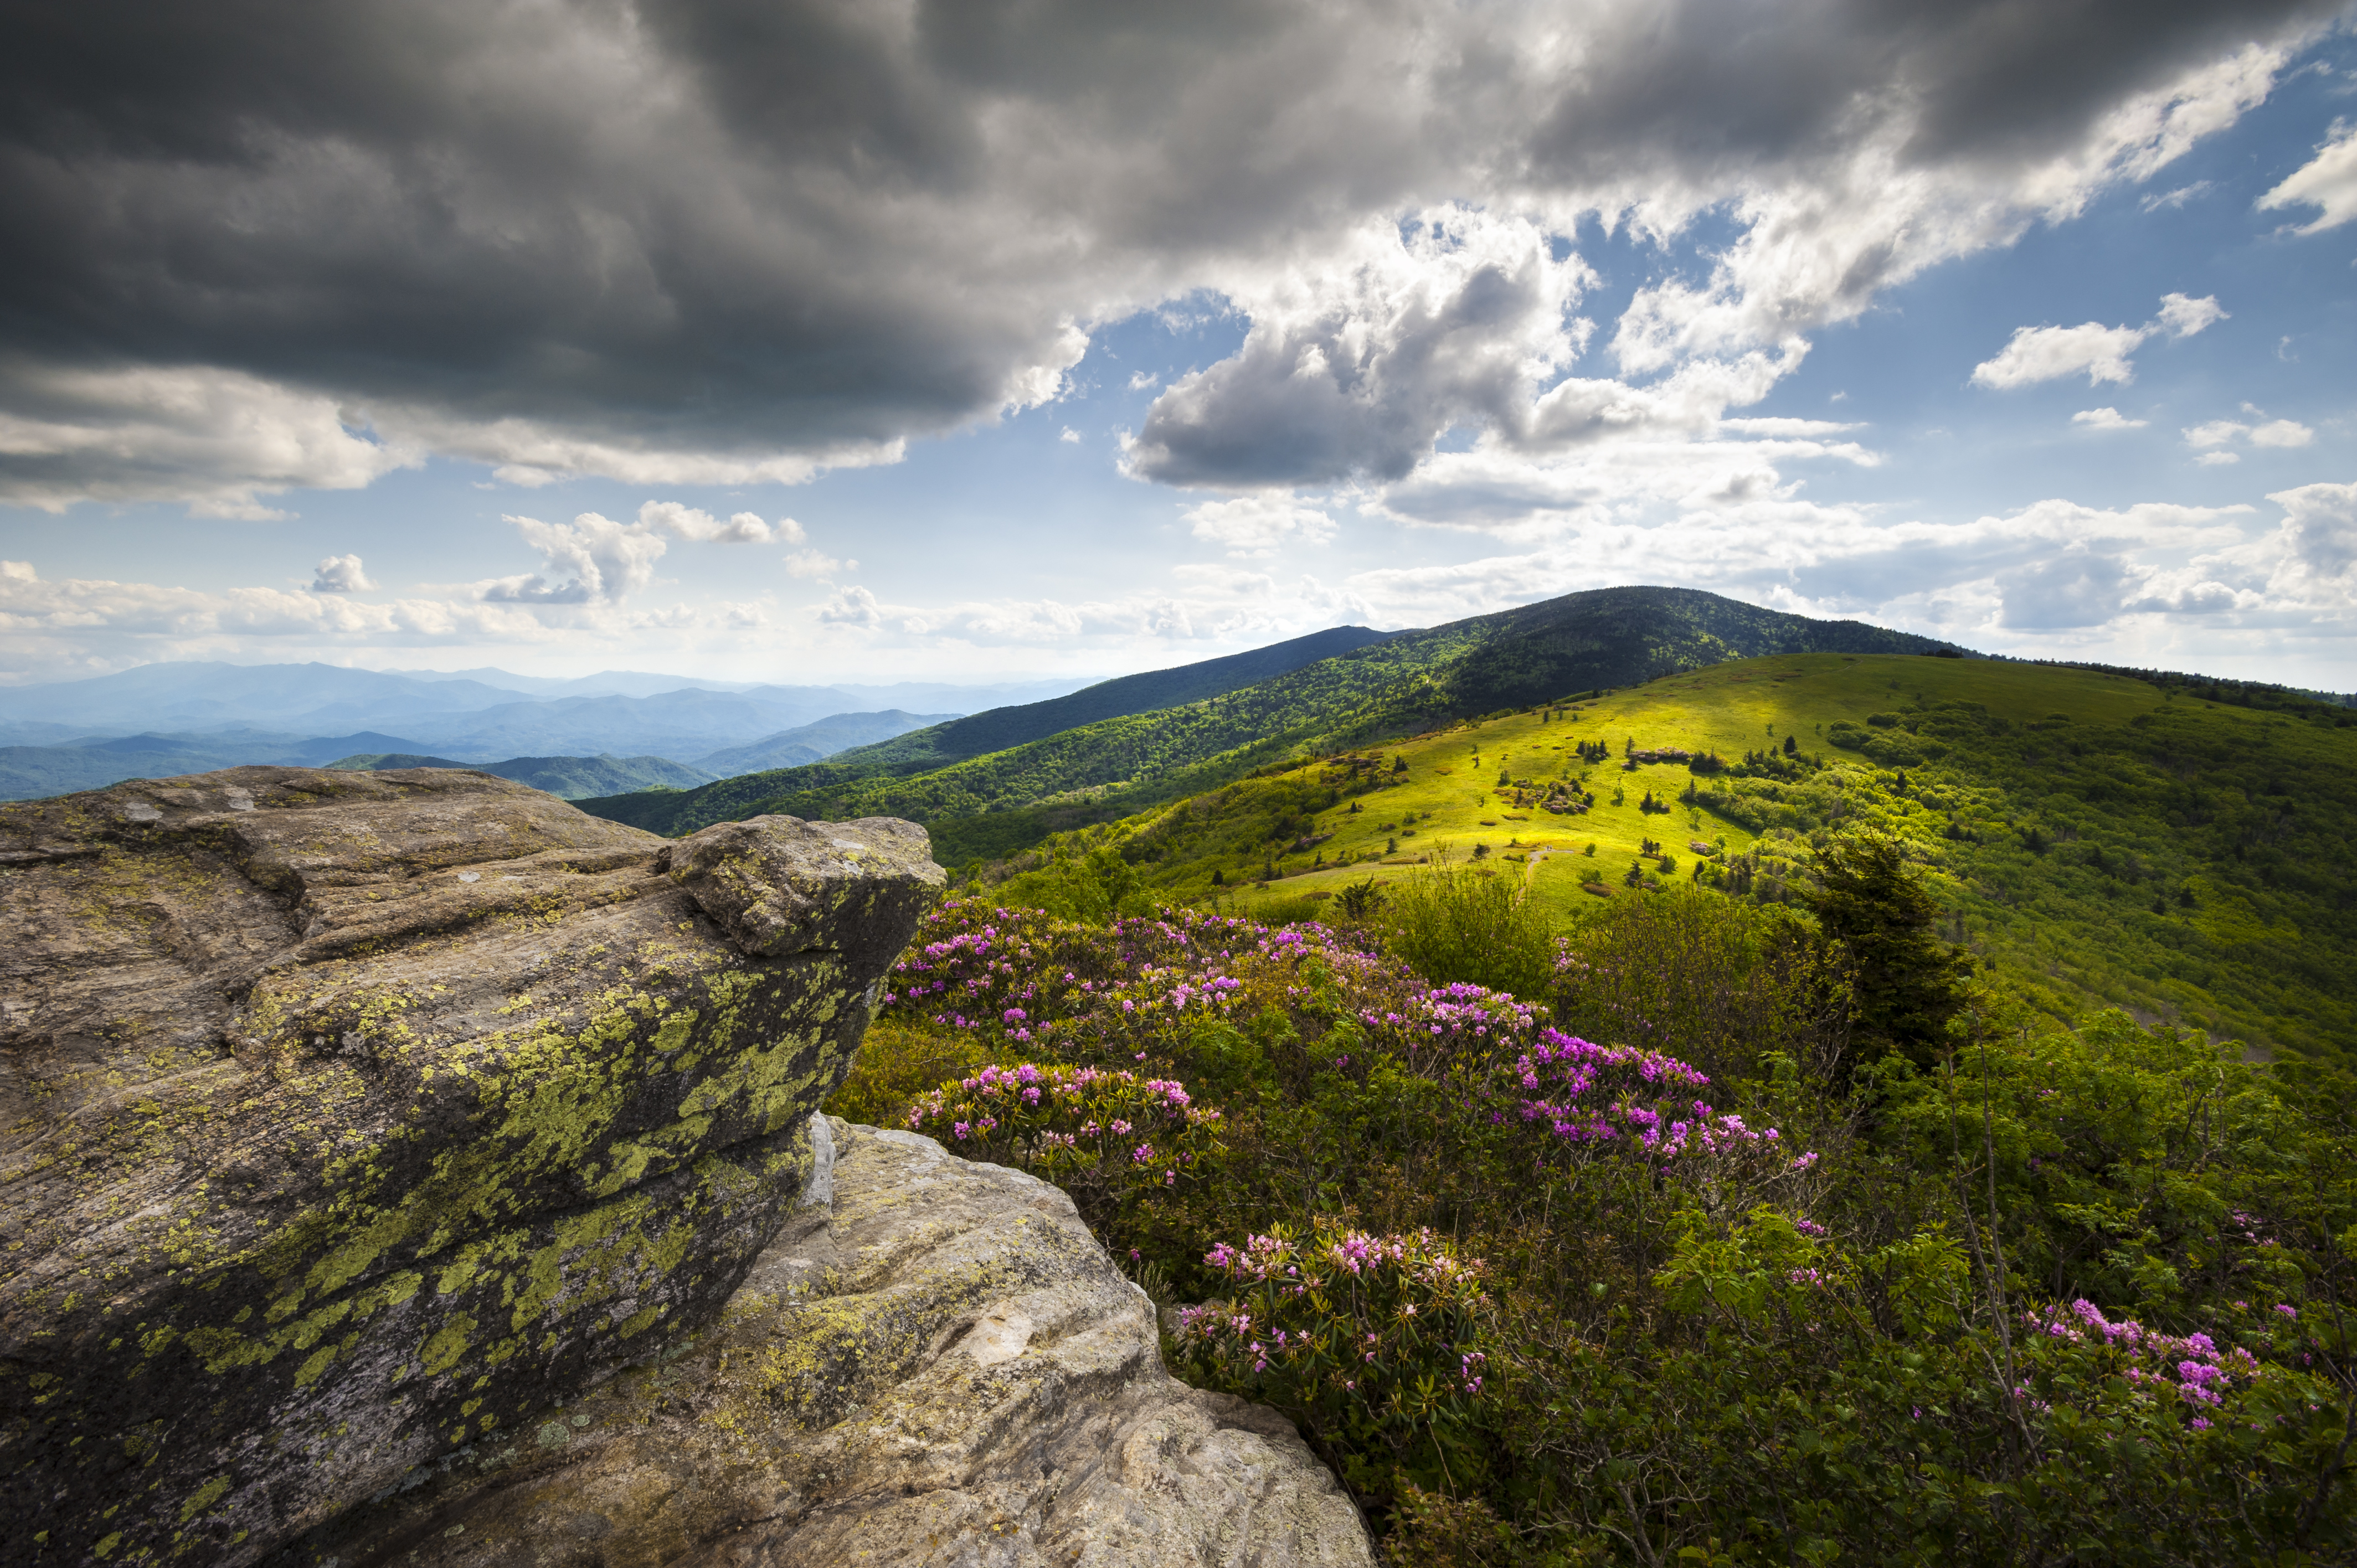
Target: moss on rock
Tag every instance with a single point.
(349, 1119)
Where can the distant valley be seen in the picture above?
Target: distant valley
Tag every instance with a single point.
(160, 720)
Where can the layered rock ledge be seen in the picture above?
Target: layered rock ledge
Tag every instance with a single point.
(933, 1363)
(351, 1120)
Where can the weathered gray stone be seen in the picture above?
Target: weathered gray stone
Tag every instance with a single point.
(349, 1119)
(944, 1369)
(775, 883)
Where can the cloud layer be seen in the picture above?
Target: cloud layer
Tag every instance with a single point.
(273, 246)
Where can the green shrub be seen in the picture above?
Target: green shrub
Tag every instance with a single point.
(1714, 983)
(1456, 923)
(1098, 885)
(2055, 1297)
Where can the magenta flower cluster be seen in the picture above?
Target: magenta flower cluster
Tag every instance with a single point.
(1454, 1017)
(1085, 992)
(2190, 1369)
(1624, 1098)
(1344, 1314)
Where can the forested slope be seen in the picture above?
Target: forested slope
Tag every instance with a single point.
(1401, 685)
(2099, 839)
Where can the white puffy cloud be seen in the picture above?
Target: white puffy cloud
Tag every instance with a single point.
(1635, 481)
(341, 574)
(2037, 354)
(2107, 419)
(852, 605)
(702, 527)
(593, 560)
(725, 615)
(2293, 583)
(1356, 365)
(2212, 441)
(2327, 182)
(815, 563)
(2077, 587)
(71, 625)
(1258, 525)
(2319, 529)
(118, 615)
(2182, 317)
(216, 439)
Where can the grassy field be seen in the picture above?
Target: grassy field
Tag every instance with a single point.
(993, 802)
(1450, 790)
(2096, 838)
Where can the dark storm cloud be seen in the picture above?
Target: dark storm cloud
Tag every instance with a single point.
(598, 235)
(1730, 85)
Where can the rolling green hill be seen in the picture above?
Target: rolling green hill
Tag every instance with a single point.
(2098, 838)
(999, 728)
(997, 803)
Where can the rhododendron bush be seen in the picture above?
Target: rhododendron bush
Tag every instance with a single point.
(1376, 1339)
(1544, 1298)
(1103, 1131)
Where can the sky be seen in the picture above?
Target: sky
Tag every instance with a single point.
(1029, 338)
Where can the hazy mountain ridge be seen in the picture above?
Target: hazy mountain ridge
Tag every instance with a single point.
(165, 719)
(567, 778)
(997, 729)
(812, 742)
(1611, 637)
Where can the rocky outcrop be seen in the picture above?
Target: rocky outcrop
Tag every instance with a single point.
(351, 1120)
(933, 1363)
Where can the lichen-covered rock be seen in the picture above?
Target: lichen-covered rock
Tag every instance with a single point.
(349, 1119)
(774, 882)
(941, 1367)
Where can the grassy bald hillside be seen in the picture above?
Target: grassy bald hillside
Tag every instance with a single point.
(2101, 838)
(1002, 801)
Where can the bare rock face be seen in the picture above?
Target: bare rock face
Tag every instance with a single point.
(940, 1366)
(350, 1120)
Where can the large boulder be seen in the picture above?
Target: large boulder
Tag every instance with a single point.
(350, 1120)
(933, 1363)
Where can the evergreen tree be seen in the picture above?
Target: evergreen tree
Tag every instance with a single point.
(1906, 979)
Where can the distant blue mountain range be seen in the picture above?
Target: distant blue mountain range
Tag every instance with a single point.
(159, 719)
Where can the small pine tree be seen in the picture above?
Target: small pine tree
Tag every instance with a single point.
(1907, 979)
(1219, 878)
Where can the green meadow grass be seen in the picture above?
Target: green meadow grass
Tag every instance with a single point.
(2064, 807)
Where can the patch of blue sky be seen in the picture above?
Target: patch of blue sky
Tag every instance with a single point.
(1956, 450)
